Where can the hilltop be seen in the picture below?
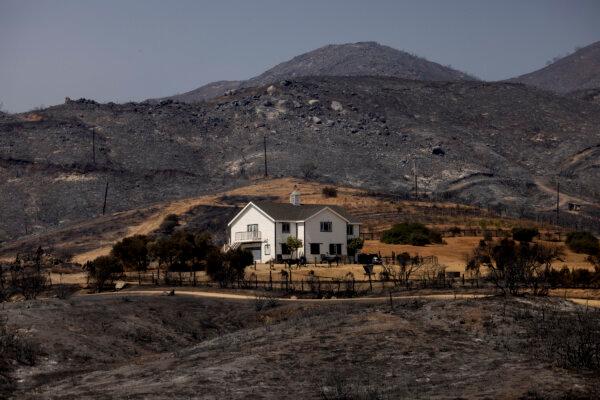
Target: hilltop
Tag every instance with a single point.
(575, 72)
(351, 59)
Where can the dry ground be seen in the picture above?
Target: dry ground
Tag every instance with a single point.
(130, 346)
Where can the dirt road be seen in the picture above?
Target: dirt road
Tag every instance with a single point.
(231, 296)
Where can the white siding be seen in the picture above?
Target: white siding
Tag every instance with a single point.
(266, 227)
(296, 230)
(301, 232)
(308, 231)
(356, 232)
(313, 233)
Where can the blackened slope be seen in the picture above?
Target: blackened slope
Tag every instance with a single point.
(499, 141)
(577, 71)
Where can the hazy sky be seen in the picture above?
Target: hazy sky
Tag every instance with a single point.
(119, 50)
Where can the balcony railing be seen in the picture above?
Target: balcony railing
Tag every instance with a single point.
(253, 236)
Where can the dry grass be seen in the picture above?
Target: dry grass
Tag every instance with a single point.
(95, 238)
(454, 253)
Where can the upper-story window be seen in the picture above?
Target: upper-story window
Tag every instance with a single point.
(285, 227)
(326, 226)
(350, 230)
(252, 228)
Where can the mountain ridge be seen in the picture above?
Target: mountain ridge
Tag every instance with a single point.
(349, 59)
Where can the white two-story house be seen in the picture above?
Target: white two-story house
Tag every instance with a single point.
(263, 229)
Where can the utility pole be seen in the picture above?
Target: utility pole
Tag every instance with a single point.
(557, 198)
(265, 148)
(105, 195)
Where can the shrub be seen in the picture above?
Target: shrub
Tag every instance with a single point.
(524, 234)
(354, 245)
(264, 302)
(103, 270)
(329, 191)
(411, 233)
(512, 266)
(14, 350)
(229, 267)
(455, 231)
(571, 339)
(583, 242)
(487, 236)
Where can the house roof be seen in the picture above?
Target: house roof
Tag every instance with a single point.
(290, 212)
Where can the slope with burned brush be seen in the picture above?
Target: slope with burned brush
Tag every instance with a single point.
(483, 143)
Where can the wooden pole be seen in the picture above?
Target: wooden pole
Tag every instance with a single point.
(557, 199)
(105, 195)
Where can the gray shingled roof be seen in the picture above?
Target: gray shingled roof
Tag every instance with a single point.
(290, 212)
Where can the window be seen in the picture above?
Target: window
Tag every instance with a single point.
(315, 248)
(326, 226)
(285, 250)
(285, 227)
(335, 248)
(267, 249)
(252, 228)
(349, 230)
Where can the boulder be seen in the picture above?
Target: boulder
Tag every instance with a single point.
(336, 106)
(271, 89)
(438, 151)
(313, 102)
(316, 120)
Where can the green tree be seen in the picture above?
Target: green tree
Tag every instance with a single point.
(355, 245)
(103, 270)
(162, 251)
(132, 251)
(293, 243)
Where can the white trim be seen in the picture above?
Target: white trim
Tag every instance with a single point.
(244, 209)
(330, 209)
(290, 220)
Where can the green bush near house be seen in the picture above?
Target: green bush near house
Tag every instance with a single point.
(414, 233)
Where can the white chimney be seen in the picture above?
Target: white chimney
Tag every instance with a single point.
(295, 197)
